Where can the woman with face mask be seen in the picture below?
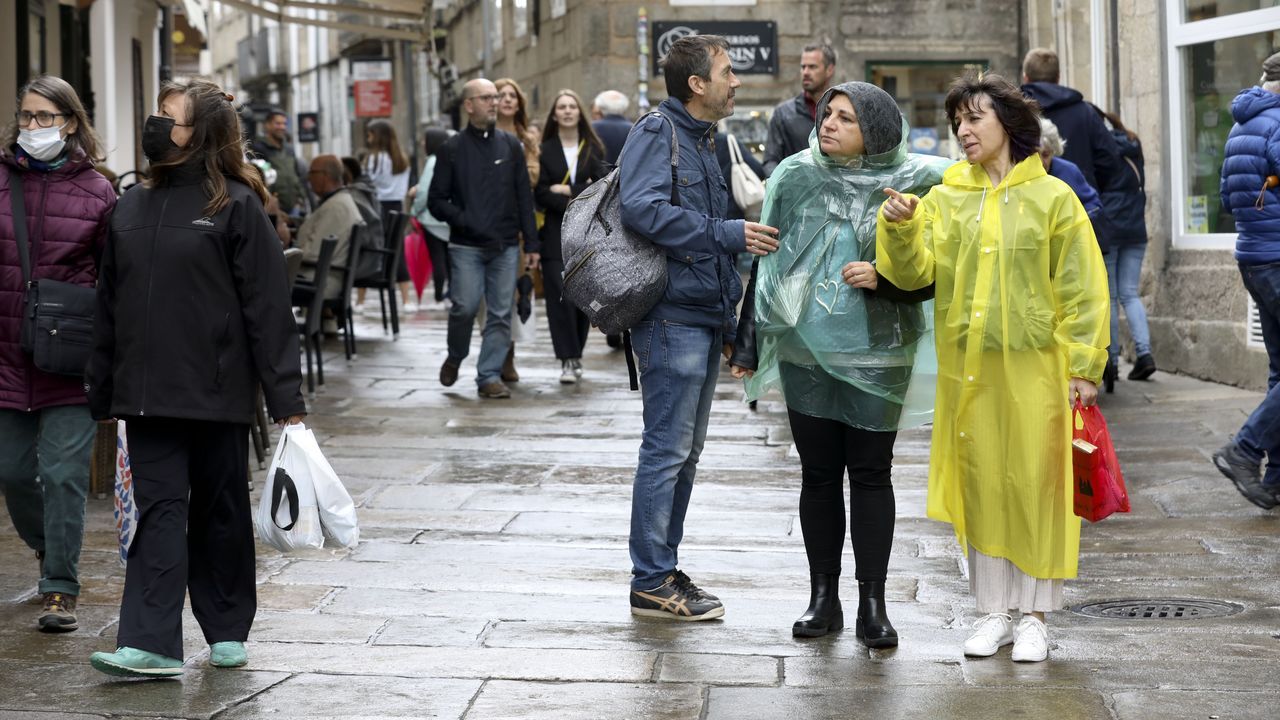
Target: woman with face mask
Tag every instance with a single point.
(47, 155)
(193, 315)
(850, 352)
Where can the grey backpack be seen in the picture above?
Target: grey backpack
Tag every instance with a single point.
(613, 275)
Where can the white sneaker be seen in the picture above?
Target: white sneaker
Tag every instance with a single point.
(991, 632)
(567, 376)
(357, 309)
(577, 367)
(410, 308)
(1030, 640)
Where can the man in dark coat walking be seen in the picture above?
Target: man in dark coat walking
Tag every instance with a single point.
(1089, 143)
(793, 120)
(612, 124)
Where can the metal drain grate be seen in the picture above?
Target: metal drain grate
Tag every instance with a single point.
(1157, 609)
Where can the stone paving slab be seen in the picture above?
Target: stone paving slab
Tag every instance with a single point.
(587, 701)
(71, 688)
(1160, 705)
(354, 697)
(954, 703)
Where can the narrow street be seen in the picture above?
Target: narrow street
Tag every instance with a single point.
(491, 577)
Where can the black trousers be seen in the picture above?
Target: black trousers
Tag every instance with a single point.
(569, 325)
(828, 449)
(438, 249)
(179, 465)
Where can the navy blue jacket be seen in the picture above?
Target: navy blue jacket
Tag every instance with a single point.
(703, 287)
(480, 187)
(1124, 200)
(1251, 156)
(1067, 172)
(613, 130)
(1089, 143)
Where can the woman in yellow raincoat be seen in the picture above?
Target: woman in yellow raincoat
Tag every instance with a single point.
(1021, 319)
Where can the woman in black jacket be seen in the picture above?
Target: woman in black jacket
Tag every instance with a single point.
(192, 315)
(572, 158)
(1124, 203)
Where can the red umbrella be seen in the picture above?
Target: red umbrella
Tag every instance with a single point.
(417, 259)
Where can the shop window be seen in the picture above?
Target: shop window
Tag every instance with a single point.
(1213, 74)
(921, 91)
(1207, 9)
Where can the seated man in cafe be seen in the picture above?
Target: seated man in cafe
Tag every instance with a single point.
(336, 215)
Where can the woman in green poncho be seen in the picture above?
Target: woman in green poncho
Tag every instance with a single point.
(851, 353)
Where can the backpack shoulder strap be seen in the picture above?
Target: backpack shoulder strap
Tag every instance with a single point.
(675, 158)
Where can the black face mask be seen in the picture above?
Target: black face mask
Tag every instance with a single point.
(157, 142)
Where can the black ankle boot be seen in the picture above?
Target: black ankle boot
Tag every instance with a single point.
(1110, 374)
(874, 628)
(824, 614)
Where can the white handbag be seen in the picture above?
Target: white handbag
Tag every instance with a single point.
(748, 190)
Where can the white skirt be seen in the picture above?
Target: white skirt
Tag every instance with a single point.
(1000, 586)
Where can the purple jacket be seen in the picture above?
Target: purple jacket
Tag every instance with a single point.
(68, 213)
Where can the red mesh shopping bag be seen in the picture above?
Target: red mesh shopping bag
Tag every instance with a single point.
(1099, 486)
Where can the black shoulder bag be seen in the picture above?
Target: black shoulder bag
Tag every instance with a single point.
(57, 317)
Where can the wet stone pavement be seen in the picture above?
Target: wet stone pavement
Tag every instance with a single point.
(491, 577)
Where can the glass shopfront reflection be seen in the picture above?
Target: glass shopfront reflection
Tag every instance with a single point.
(921, 89)
(1214, 73)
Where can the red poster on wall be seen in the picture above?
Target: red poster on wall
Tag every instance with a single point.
(372, 87)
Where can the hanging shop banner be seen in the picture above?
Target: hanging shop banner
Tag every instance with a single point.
(372, 87)
(308, 127)
(753, 45)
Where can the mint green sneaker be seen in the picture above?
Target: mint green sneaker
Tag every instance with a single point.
(227, 654)
(131, 662)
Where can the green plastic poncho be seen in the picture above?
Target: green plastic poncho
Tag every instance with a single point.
(835, 351)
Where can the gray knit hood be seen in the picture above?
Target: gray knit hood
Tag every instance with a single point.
(878, 115)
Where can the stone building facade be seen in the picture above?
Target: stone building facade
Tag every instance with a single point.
(1169, 68)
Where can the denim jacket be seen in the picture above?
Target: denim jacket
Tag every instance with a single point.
(703, 286)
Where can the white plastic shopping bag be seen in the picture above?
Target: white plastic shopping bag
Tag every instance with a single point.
(124, 511)
(324, 507)
(337, 511)
(287, 517)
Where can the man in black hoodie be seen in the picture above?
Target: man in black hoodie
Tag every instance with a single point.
(481, 189)
(1089, 143)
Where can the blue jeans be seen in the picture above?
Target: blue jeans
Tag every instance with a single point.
(44, 470)
(1124, 269)
(1260, 435)
(679, 365)
(487, 273)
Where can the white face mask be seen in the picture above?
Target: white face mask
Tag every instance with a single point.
(43, 144)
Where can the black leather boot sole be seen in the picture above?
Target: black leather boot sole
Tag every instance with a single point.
(816, 627)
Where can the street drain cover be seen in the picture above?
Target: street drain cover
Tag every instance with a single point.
(1157, 609)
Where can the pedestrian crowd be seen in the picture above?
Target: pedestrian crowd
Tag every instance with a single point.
(886, 290)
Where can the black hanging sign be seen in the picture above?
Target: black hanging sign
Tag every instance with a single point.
(753, 45)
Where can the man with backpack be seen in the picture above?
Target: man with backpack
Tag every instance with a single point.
(680, 342)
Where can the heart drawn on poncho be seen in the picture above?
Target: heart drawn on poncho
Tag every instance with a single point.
(827, 287)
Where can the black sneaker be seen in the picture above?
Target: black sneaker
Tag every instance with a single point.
(58, 614)
(693, 590)
(1246, 475)
(1144, 368)
(672, 601)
